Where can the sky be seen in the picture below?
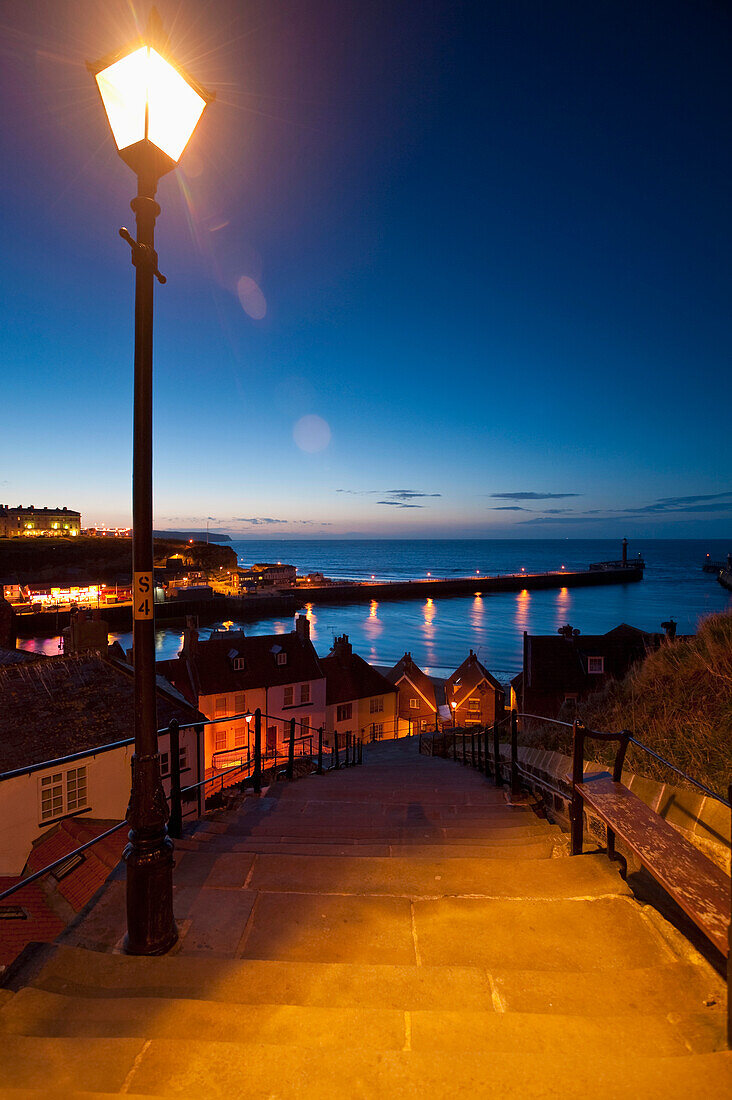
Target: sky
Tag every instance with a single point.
(436, 268)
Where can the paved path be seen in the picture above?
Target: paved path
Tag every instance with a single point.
(392, 930)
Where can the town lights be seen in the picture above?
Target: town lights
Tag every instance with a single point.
(153, 109)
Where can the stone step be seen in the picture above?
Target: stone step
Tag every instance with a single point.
(395, 835)
(673, 986)
(204, 841)
(174, 1067)
(516, 848)
(581, 877)
(36, 1012)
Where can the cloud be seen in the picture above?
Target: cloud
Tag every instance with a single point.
(395, 494)
(533, 496)
(258, 520)
(510, 508)
(701, 502)
(399, 504)
(564, 519)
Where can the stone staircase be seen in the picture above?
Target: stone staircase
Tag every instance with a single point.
(392, 930)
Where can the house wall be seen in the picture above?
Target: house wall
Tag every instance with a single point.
(484, 716)
(108, 792)
(362, 720)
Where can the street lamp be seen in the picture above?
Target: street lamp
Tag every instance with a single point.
(152, 108)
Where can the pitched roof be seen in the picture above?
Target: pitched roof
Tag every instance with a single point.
(467, 677)
(208, 669)
(41, 900)
(62, 705)
(349, 677)
(555, 663)
(406, 668)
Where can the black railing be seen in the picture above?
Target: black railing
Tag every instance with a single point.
(254, 766)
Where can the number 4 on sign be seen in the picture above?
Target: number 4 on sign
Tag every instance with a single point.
(143, 606)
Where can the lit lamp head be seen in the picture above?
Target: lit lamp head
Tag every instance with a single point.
(152, 107)
(248, 717)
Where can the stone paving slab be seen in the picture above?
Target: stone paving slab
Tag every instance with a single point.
(418, 876)
(217, 922)
(59, 1066)
(601, 934)
(311, 928)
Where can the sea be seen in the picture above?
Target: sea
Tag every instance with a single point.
(439, 631)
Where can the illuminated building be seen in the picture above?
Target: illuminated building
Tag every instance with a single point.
(58, 522)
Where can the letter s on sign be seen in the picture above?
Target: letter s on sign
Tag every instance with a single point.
(143, 596)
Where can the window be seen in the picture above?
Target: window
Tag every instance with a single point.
(240, 736)
(281, 658)
(13, 912)
(474, 705)
(344, 712)
(239, 664)
(378, 729)
(220, 739)
(240, 703)
(221, 706)
(414, 704)
(288, 696)
(165, 761)
(595, 664)
(304, 693)
(63, 793)
(376, 706)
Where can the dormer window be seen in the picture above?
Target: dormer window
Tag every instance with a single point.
(281, 658)
(595, 664)
(239, 664)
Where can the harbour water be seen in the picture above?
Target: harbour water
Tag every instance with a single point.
(439, 632)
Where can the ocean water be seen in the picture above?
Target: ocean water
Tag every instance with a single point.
(440, 631)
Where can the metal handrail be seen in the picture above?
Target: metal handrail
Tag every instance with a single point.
(688, 778)
(57, 863)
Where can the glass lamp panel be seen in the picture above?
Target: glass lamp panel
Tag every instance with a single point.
(174, 107)
(123, 88)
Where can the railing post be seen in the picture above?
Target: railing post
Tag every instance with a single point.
(496, 755)
(175, 822)
(291, 751)
(515, 782)
(337, 762)
(578, 772)
(486, 765)
(320, 751)
(257, 784)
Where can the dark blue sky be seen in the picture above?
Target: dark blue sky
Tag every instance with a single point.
(483, 249)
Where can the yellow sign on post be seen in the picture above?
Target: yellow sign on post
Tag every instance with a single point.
(143, 596)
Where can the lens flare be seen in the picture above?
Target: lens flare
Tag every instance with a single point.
(311, 433)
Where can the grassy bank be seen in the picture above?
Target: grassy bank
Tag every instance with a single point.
(678, 701)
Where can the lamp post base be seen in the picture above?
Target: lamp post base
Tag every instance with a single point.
(151, 928)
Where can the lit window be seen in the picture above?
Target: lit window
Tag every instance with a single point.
(305, 693)
(240, 736)
(595, 664)
(344, 712)
(376, 706)
(474, 705)
(378, 729)
(288, 696)
(414, 704)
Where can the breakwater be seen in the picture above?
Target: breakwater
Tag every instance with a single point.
(286, 603)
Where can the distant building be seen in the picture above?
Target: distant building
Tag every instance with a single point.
(567, 666)
(232, 673)
(473, 696)
(32, 521)
(268, 575)
(359, 700)
(418, 707)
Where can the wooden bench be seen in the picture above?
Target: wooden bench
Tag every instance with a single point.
(699, 887)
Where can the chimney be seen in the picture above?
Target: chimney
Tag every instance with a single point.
(190, 640)
(302, 628)
(670, 628)
(342, 648)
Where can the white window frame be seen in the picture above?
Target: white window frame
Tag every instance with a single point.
(595, 671)
(64, 792)
(239, 664)
(288, 695)
(281, 658)
(376, 704)
(304, 693)
(344, 712)
(240, 702)
(221, 739)
(414, 704)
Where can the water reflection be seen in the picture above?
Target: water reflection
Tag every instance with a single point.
(429, 629)
(523, 601)
(373, 626)
(312, 619)
(564, 603)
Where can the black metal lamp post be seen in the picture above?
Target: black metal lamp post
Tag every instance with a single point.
(152, 109)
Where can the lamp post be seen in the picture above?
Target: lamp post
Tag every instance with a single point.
(152, 108)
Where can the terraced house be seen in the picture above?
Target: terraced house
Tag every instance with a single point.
(231, 674)
(418, 707)
(473, 695)
(359, 700)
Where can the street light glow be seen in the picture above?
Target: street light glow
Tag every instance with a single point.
(147, 99)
